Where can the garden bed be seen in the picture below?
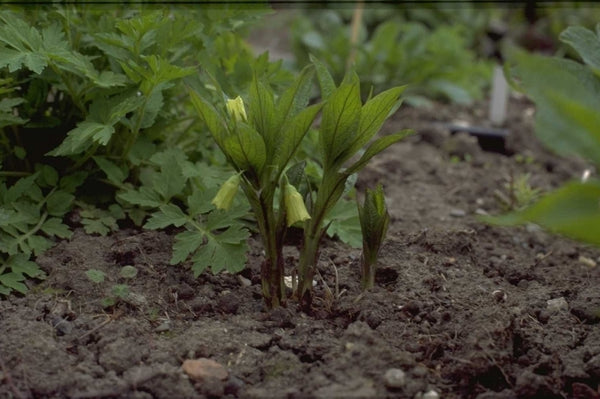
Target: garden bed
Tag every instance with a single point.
(461, 308)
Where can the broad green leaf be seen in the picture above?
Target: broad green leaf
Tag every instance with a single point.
(114, 173)
(36, 244)
(585, 42)
(13, 281)
(341, 116)
(48, 176)
(21, 264)
(573, 210)
(82, 137)
(294, 99)
(344, 223)
(59, 203)
(372, 116)
(324, 77)
(210, 116)
(219, 256)
(23, 186)
(293, 133)
(185, 244)
(573, 85)
(375, 148)
(9, 217)
(262, 113)
(71, 182)
(233, 235)
(167, 215)
(219, 219)
(171, 181)
(143, 197)
(199, 202)
(246, 148)
(55, 227)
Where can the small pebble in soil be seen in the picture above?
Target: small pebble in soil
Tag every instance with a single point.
(394, 378)
(431, 394)
(458, 213)
(587, 261)
(557, 304)
(419, 371)
(163, 327)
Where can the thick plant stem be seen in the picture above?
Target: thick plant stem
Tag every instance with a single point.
(307, 266)
(272, 284)
(367, 278)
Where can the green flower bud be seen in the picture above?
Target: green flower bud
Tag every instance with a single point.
(236, 109)
(224, 197)
(294, 205)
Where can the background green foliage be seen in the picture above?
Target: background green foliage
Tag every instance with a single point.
(94, 115)
(567, 96)
(435, 58)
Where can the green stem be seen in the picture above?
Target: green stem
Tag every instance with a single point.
(14, 174)
(136, 129)
(34, 230)
(272, 269)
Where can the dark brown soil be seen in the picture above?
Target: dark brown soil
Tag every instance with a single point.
(460, 309)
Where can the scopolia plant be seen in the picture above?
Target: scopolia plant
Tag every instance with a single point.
(374, 222)
(260, 142)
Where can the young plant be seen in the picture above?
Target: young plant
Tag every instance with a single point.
(347, 125)
(567, 121)
(259, 143)
(374, 222)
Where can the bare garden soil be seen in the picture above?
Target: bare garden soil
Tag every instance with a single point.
(460, 308)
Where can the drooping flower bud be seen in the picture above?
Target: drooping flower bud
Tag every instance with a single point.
(236, 109)
(294, 205)
(224, 197)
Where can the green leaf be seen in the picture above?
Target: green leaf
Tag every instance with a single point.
(325, 80)
(573, 86)
(83, 137)
(167, 215)
(375, 148)
(186, 243)
(13, 281)
(95, 275)
(573, 210)
(262, 113)
(210, 116)
(373, 115)
(59, 203)
(71, 182)
(145, 196)
(171, 181)
(294, 133)
(246, 148)
(114, 173)
(55, 227)
(339, 124)
(294, 99)
(344, 223)
(120, 290)
(101, 226)
(219, 256)
(585, 42)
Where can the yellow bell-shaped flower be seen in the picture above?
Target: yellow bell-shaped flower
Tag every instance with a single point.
(294, 205)
(236, 109)
(226, 194)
